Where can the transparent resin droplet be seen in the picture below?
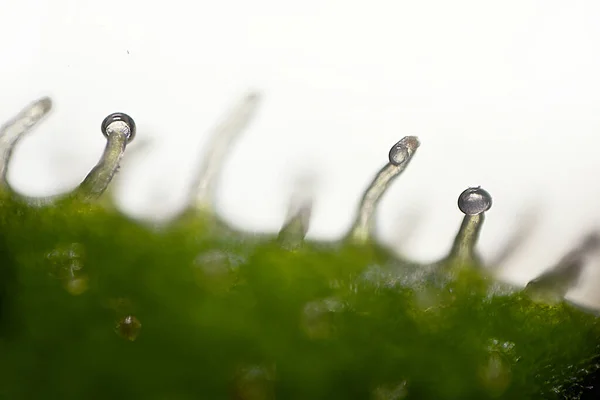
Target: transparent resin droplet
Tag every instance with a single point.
(403, 150)
(474, 201)
(129, 327)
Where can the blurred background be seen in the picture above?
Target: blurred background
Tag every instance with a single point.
(505, 95)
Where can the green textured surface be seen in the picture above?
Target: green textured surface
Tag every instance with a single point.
(227, 315)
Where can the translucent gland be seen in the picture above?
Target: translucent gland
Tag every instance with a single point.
(473, 202)
(293, 231)
(223, 138)
(117, 124)
(553, 285)
(119, 130)
(398, 159)
(15, 129)
(402, 151)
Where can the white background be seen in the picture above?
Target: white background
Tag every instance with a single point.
(501, 94)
